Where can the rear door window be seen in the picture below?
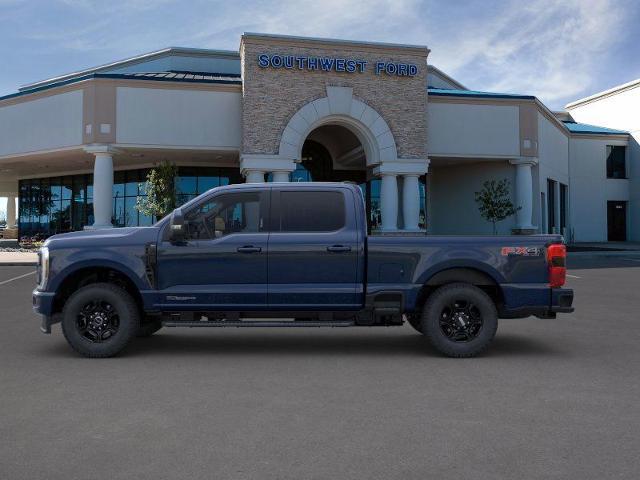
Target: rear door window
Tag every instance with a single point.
(311, 211)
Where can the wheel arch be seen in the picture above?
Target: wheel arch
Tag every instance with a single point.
(86, 274)
(479, 277)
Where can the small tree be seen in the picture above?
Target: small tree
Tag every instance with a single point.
(494, 202)
(161, 196)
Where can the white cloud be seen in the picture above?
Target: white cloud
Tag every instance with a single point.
(547, 48)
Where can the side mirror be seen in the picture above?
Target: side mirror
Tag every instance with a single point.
(177, 230)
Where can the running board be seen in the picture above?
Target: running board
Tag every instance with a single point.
(259, 323)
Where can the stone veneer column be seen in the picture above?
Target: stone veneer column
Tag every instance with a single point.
(524, 194)
(102, 186)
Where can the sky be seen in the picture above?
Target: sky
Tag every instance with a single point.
(557, 50)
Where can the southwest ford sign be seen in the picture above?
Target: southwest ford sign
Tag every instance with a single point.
(334, 64)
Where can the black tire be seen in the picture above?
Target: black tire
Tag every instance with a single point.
(415, 320)
(459, 320)
(148, 328)
(99, 320)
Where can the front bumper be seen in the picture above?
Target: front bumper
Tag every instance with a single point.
(43, 304)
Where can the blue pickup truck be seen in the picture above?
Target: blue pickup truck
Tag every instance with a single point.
(291, 255)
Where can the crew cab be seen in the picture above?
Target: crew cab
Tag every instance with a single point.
(291, 255)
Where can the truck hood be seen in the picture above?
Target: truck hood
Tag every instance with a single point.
(108, 236)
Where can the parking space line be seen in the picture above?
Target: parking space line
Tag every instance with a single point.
(573, 276)
(17, 278)
(632, 259)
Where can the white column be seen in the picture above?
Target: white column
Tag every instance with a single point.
(102, 186)
(389, 202)
(280, 176)
(524, 192)
(254, 176)
(11, 212)
(411, 202)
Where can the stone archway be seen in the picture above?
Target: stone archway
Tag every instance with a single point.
(339, 107)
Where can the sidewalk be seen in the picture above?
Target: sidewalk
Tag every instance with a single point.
(18, 259)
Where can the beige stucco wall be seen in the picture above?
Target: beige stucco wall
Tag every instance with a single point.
(590, 189)
(45, 123)
(272, 96)
(451, 197)
(460, 129)
(178, 117)
(619, 110)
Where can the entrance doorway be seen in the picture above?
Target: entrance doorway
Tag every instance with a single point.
(617, 221)
(333, 153)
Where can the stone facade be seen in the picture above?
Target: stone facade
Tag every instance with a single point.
(272, 96)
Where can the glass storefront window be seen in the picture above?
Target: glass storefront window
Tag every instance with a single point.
(60, 204)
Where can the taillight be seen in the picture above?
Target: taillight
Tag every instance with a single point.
(557, 259)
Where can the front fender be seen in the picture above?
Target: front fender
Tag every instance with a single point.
(68, 265)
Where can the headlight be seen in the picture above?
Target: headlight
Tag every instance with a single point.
(43, 267)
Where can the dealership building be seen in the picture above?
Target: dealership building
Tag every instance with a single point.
(75, 149)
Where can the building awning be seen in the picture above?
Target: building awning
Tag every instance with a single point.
(477, 94)
(170, 76)
(585, 128)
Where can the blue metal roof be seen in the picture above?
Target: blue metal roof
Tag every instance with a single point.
(188, 77)
(444, 92)
(575, 127)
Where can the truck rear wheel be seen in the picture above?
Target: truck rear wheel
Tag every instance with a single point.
(459, 320)
(99, 320)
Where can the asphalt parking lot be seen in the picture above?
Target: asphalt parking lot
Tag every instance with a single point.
(551, 399)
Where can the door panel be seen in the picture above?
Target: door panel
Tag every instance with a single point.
(223, 263)
(313, 269)
(617, 221)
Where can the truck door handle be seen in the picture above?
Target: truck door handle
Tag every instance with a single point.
(249, 249)
(339, 248)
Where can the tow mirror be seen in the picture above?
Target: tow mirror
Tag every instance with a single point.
(176, 226)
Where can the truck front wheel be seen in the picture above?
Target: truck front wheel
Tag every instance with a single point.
(459, 320)
(99, 320)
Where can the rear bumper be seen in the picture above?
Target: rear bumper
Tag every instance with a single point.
(558, 300)
(43, 304)
(561, 300)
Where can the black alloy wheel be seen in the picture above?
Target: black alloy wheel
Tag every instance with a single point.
(459, 320)
(100, 319)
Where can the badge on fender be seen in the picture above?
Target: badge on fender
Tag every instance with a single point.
(522, 251)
